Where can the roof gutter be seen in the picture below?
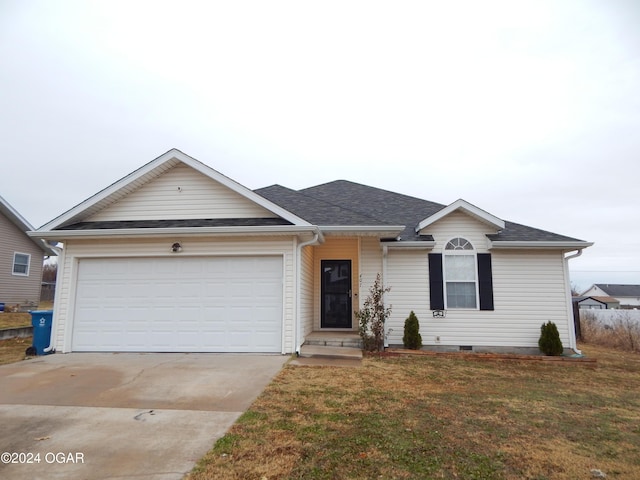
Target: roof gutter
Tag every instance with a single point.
(158, 232)
(389, 231)
(538, 245)
(409, 245)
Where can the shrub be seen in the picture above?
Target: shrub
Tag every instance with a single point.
(549, 342)
(412, 338)
(372, 317)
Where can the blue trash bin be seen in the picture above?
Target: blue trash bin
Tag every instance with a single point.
(41, 321)
(1, 307)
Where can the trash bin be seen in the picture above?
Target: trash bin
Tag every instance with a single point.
(41, 321)
(1, 307)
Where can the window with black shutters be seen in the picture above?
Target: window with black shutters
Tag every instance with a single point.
(460, 278)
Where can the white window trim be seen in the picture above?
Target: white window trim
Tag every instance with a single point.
(13, 265)
(468, 253)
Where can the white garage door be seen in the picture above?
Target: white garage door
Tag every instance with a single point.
(179, 304)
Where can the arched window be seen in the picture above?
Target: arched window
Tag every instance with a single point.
(460, 274)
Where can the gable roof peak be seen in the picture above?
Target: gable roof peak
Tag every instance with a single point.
(152, 170)
(467, 208)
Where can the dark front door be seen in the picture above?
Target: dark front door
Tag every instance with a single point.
(336, 294)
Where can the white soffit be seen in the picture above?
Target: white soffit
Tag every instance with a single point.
(466, 207)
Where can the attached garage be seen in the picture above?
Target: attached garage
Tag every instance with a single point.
(179, 304)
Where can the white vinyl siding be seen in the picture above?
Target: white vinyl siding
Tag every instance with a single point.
(306, 292)
(408, 277)
(181, 193)
(528, 287)
(370, 265)
(76, 250)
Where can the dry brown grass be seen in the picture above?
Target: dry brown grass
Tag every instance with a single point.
(439, 417)
(622, 334)
(13, 320)
(12, 350)
(9, 319)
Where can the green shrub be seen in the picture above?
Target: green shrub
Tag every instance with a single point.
(412, 338)
(549, 342)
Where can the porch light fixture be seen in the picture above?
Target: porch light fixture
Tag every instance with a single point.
(176, 248)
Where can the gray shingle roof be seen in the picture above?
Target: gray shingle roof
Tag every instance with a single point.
(618, 290)
(389, 207)
(517, 232)
(347, 203)
(316, 210)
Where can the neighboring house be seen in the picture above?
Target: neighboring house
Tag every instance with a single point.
(178, 257)
(21, 259)
(627, 295)
(596, 303)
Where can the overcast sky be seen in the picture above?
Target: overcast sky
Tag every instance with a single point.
(527, 109)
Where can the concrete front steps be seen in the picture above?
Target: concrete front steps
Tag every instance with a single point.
(339, 345)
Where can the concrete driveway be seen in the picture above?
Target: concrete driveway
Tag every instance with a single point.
(115, 416)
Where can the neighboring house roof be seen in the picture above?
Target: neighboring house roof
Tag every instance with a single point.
(343, 202)
(20, 222)
(618, 290)
(600, 299)
(606, 299)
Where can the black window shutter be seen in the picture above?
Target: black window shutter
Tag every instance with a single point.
(436, 287)
(485, 281)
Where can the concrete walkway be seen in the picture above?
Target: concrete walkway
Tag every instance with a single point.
(114, 416)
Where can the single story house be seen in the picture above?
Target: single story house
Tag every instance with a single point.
(596, 303)
(176, 257)
(21, 260)
(627, 295)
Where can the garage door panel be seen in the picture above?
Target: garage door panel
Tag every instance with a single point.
(213, 304)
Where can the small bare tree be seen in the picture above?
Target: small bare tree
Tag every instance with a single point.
(49, 272)
(372, 317)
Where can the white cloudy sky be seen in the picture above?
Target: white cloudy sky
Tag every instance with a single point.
(527, 109)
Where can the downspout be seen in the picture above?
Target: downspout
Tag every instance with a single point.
(572, 331)
(315, 238)
(385, 251)
(51, 347)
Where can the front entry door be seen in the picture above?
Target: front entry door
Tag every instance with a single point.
(336, 294)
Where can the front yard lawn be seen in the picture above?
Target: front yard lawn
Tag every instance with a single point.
(424, 417)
